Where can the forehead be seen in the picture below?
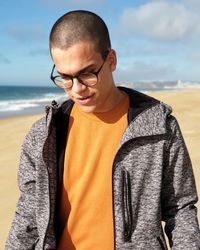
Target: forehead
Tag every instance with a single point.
(76, 57)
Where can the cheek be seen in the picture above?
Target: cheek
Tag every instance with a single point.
(68, 93)
(101, 91)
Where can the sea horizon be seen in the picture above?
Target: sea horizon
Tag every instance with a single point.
(23, 100)
(17, 100)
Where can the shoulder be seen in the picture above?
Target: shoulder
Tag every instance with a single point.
(145, 105)
(35, 133)
(138, 98)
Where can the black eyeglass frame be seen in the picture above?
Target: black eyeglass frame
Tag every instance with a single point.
(96, 73)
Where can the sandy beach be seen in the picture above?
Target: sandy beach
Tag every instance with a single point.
(186, 107)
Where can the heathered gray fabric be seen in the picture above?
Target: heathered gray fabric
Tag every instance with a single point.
(152, 152)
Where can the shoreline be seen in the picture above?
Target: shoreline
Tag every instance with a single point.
(24, 112)
(185, 104)
(40, 109)
(16, 116)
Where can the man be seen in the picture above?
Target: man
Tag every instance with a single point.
(105, 168)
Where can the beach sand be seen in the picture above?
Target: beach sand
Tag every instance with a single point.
(186, 107)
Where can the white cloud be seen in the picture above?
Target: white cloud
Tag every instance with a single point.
(140, 71)
(141, 48)
(192, 4)
(194, 57)
(161, 20)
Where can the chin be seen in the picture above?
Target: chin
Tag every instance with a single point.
(88, 109)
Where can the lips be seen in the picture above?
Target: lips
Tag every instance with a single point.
(85, 100)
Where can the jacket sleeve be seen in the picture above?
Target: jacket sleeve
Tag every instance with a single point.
(23, 233)
(179, 194)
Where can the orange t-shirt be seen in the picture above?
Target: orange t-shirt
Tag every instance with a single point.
(86, 214)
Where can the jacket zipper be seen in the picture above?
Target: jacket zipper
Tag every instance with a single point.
(49, 209)
(127, 205)
(113, 206)
(48, 187)
(161, 243)
(35, 243)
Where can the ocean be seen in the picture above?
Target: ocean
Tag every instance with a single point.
(20, 100)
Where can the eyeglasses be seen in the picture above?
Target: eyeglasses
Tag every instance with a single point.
(66, 81)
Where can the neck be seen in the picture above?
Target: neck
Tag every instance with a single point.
(117, 97)
(114, 97)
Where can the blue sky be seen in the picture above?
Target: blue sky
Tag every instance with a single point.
(154, 40)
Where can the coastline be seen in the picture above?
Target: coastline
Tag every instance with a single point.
(185, 104)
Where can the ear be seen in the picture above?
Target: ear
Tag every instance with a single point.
(112, 58)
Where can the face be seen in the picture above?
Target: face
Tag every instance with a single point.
(82, 57)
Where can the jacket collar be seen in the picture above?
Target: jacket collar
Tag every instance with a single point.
(146, 116)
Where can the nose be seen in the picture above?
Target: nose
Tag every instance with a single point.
(78, 87)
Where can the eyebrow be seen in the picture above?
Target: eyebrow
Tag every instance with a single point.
(80, 71)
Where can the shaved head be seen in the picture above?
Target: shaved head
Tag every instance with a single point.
(80, 26)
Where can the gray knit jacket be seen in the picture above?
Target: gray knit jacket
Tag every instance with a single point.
(152, 182)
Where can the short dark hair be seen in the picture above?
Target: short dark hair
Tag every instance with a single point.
(77, 26)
